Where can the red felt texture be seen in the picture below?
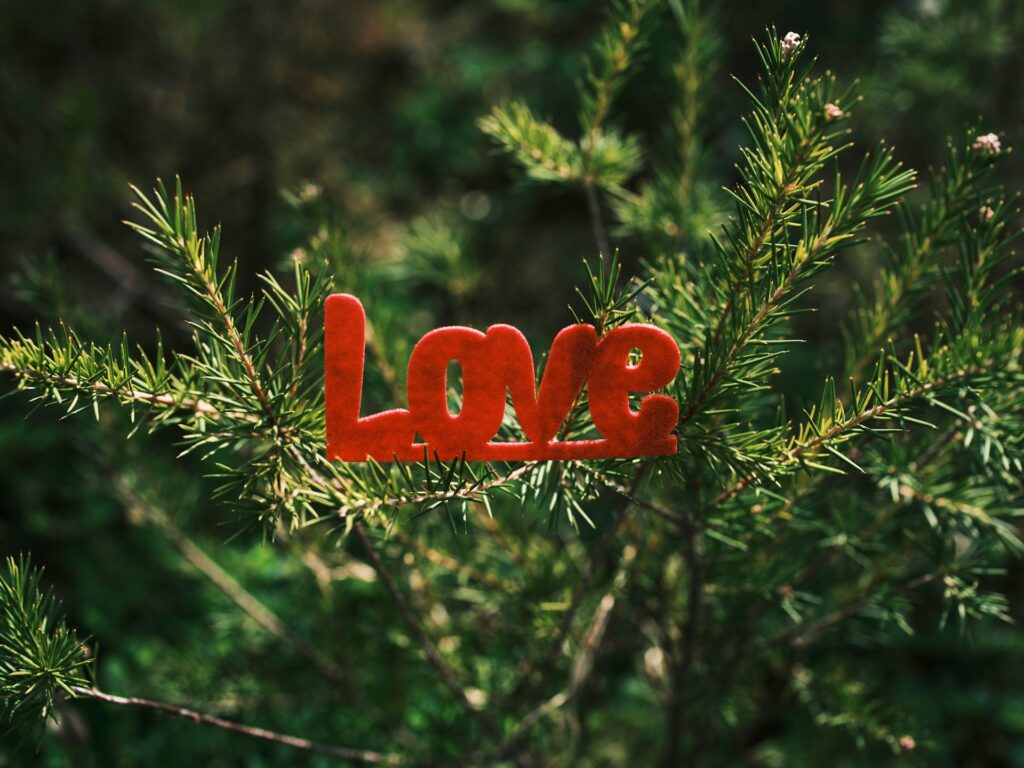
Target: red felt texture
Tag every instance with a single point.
(494, 363)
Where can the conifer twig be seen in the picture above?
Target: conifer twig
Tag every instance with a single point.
(793, 454)
(124, 394)
(469, 492)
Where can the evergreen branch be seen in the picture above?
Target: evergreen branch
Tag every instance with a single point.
(692, 73)
(472, 491)
(343, 753)
(61, 364)
(806, 633)
(614, 54)
(875, 190)
(232, 359)
(670, 210)
(536, 145)
(32, 378)
(601, 157)
(194, 264)
(39, 655)
(606, 71)
(910, 270)
(813, 437)
(792, 130)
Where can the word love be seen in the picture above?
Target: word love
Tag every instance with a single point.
(493, 364)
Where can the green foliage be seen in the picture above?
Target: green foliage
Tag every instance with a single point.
(602, 157)
(40, 658)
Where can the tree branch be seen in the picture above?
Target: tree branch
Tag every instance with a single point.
(444, 671)
(344, 753)
(226, 583)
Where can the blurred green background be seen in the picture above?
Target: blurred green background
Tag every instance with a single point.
(280, 115)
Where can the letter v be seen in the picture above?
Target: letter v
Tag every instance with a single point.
(541, 414)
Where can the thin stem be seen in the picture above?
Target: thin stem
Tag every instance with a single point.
(446, 673)
(805, 634)
(252, 376)
(583, 661)
(597, 222)
(676, 715)
(344, 753)
(226, 583)
(648, 504)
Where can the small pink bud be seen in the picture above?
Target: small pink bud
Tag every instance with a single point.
(907, 743)
(833, 112)
(989, 144)
(790, 43)
(985, 213)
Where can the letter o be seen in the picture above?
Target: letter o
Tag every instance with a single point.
(483, 393)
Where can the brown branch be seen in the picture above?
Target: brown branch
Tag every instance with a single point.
(597, 222)
(676, 715)
(139, 508)
(344, 753)
(582, 665)
(444, 671)
(648, 504)
(804, 634)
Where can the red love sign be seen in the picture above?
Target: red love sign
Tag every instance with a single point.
(493, 363)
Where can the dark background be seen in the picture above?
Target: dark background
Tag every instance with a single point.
(365, 112)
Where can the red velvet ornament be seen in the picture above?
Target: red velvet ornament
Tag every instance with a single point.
(492, 363)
